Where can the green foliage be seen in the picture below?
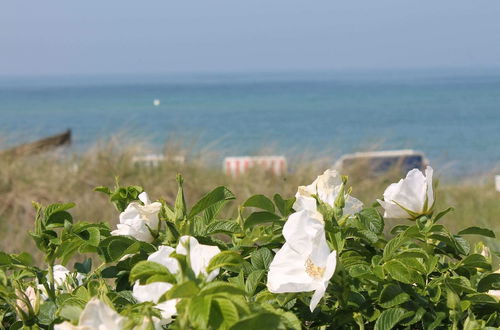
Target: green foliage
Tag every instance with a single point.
(420, 276)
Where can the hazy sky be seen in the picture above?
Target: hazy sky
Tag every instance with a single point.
(156, 36)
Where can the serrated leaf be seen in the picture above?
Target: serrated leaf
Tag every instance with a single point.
(400, 272)
(261, 258)
(144, 270)
(258, 218)
(475, 261)
(392, 295)
(184, 290)
(390, 318)
(199, 311)
(223, 226)
(224, 259)
(284, 206)
(372, 220)
(253, 281)
(261, 202)
(215, 196)
(228, 311)
(393, 245)
(219, 287)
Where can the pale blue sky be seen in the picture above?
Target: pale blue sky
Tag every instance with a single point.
(157, 36)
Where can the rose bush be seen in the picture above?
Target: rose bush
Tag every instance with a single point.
(316, 261)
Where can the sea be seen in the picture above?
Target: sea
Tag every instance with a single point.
(451, 115)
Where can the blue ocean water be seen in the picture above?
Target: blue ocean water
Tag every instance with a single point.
(452, 116)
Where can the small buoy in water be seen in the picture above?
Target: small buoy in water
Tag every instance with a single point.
(156, 102)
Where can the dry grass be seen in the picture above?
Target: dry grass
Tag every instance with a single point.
(63, 177)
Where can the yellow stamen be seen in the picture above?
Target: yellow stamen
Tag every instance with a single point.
(313, 270)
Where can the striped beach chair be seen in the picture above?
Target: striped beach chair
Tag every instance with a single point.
(236, 166)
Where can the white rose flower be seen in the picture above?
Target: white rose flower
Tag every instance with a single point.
(153, 291)
(199, 255)
(97, 315)
(138, 220)
(305, 262)
(410, 197)
(61, 273)
(326, 187)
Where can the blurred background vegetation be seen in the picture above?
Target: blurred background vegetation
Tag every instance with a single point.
(63, 176)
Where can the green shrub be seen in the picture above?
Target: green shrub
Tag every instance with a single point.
(319, 260)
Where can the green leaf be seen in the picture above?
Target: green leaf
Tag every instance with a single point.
(261, 202)
(258, 218)
(459, 284)
(223, 226)
(219, 287)
(184, 290)
(228, 311)
(390, 318)
(253, 281)
(284, 205)
(489, 282)
(199, 311)
(393, 245)
(261, 258)
(117, 247)
(481, 298)
(47, 313)
(5, 259)
(261, 321)
(400, 272)
(215, 196)
(371, 220)
(224, 259)
(85, 267)
(442, 214)
(72, 308)
(477, 231)
(475, 261)
(392, 295)
(144, 270)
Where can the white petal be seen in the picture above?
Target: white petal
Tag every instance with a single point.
(150, 292)
(287, 272)
(392, 210)
(60, 273)
(494, 293)
(186, 243)
(412, 191)
(199, 255)
(130, 213)
(316, 297)
(304, 203)
(98, 315)
(328, 186)
(143, 197)
(331, 264)
(352, 205)
(66, 326)
(302, 228)
(430, 193)
(168, 309)
(162, 256)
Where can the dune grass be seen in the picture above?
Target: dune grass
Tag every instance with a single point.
(63, 176)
